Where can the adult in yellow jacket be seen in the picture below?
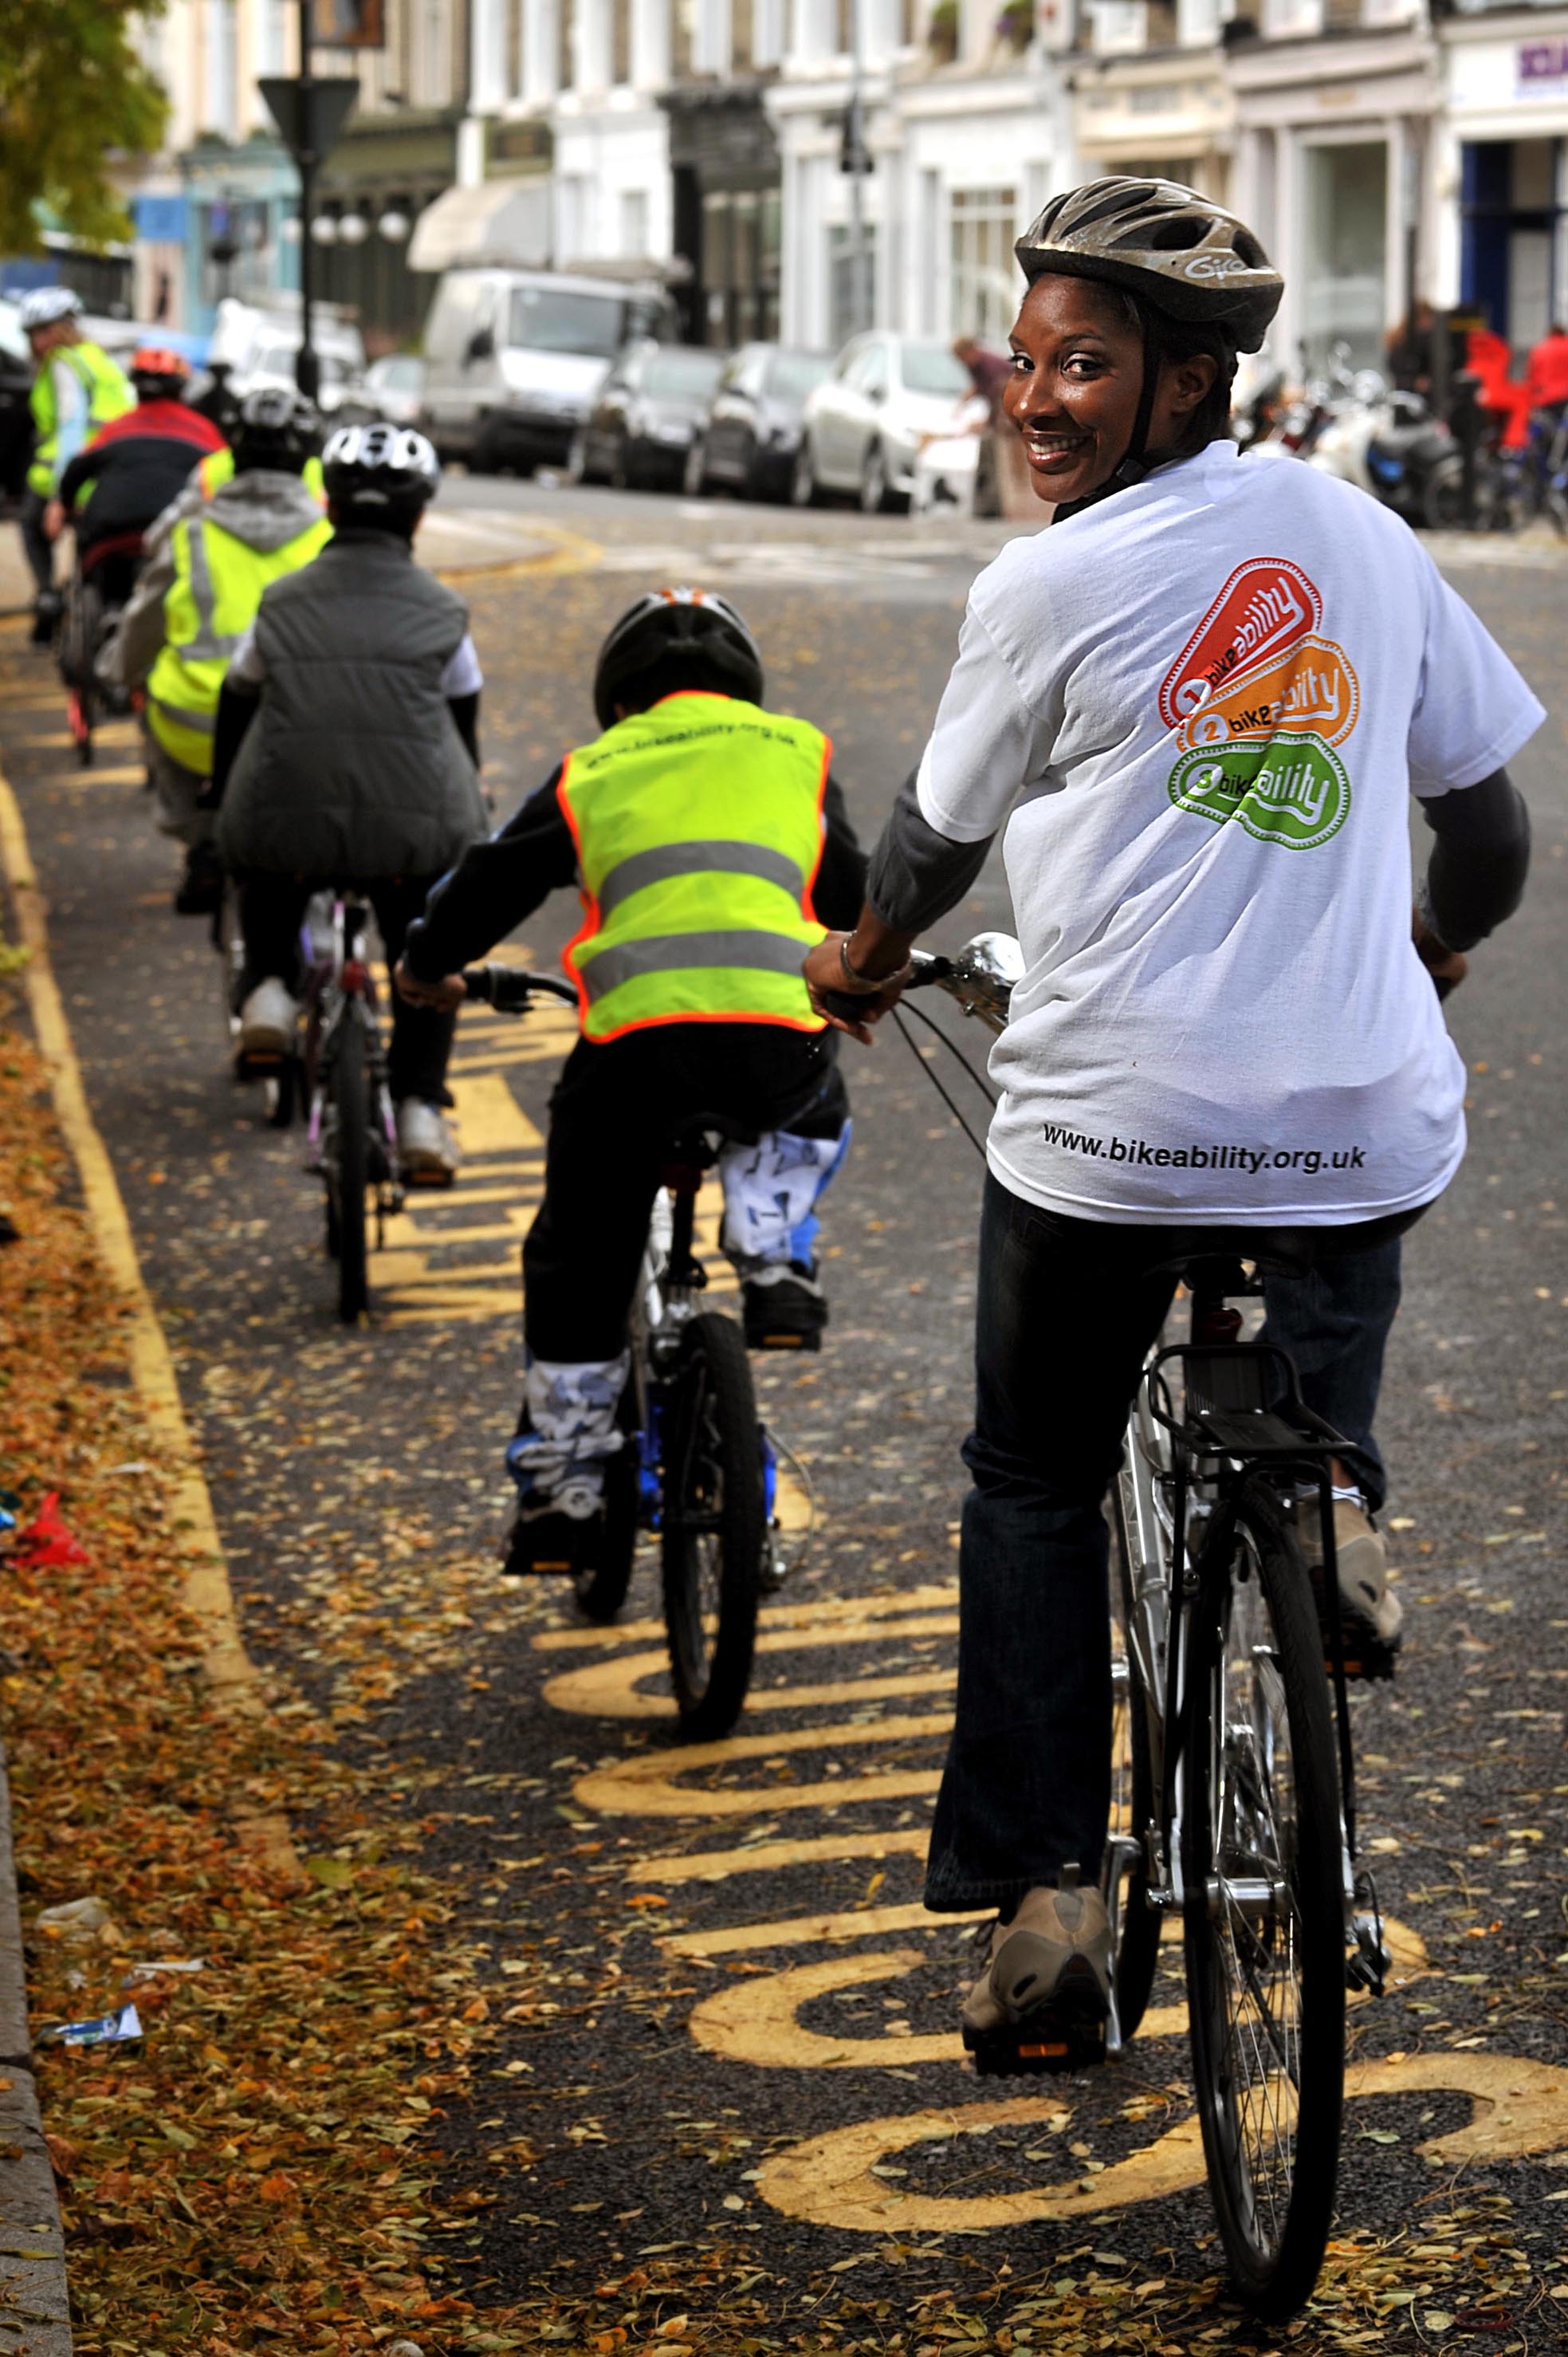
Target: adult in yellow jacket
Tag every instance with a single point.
(209, 556)
(78, 388)
(708, 843)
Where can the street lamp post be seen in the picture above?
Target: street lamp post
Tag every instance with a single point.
(307, 367)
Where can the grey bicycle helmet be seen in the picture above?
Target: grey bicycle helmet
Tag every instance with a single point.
(276, 429)
(1163, 243)
(379, 472)
(46, 305)
(701, 631)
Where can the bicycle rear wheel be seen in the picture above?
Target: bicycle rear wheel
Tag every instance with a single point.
(1136, 1923)
(715, 1526)
(1264, 1918)
(348, 1167)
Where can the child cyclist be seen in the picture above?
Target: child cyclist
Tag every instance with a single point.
(707, 839)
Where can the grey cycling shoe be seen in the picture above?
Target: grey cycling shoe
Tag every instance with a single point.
(1371, 1613)
(1042, 2001)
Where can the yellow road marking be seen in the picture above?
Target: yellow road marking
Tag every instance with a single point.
(572, 553)
(769, 1857)
(611, 1689)
(73, 781)
(207, 1594)
(892, 1606)
(648, 1784)
(804, 1931)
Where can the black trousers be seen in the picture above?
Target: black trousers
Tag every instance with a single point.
(37, 546)
(272, 911)
(612, 1117)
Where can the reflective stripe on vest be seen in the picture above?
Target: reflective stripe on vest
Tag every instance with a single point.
(210, 605)
(109, 395)
(698, 828)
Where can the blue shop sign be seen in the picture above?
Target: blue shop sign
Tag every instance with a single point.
(160, 220)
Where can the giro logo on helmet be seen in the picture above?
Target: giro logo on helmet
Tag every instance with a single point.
(1290, 791)
(1267, 607)
(1214, 265)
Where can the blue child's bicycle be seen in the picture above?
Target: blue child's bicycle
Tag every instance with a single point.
(695, 1465)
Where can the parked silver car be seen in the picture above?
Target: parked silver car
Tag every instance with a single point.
(865, 426)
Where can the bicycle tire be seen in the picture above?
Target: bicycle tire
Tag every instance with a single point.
(1136, 1958)
(713, 1471)
(602, 1590)
(1274, 2223)
(347, 1173)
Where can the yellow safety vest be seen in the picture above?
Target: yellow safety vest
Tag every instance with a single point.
(217, 588)
(699, 830)
(217, 468)
(109, 395)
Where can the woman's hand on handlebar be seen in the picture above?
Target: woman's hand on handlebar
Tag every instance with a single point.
(446, 995)
(850, 999)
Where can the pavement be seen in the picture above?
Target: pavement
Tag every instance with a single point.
(726, 2024)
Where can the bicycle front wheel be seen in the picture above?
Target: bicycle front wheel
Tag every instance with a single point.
(347, 1167)
(1264, 1915)
(715, 1526)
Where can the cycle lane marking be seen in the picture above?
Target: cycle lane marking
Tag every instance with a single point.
(755, 2023)
(207, 1593)
(830, 2180)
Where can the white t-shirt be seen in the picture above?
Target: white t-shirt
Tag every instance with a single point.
(1198, 709)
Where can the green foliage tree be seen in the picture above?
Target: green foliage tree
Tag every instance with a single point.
(73, 92)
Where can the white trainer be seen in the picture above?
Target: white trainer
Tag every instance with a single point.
(425, 1141)
(268, 1019)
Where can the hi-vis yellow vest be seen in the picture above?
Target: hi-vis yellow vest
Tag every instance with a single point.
(699, 829)
(217, 468)
(217, 587)
(109, 395)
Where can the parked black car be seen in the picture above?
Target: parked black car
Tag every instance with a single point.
(749, 440)
(639, 429)
(16, 416)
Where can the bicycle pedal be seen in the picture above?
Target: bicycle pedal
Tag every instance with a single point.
(1365, 1663)
(785, 1341)
(435, 1181)
(259, 1063)
(1043, 2045)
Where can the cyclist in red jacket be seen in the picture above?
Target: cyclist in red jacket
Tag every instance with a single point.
(131, 470)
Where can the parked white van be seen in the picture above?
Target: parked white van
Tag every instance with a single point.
(513, 359)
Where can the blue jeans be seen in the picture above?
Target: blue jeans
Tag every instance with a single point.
(1066, 1311)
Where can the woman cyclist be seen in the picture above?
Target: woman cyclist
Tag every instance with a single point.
(1198, 704)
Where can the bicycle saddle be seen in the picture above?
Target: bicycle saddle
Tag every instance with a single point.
(691, 1141)
(1284, 1251)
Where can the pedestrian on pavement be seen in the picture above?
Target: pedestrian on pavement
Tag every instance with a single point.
(78, 388)
(706, 836)
(346, 752)
(207, 560)
(1198, 704)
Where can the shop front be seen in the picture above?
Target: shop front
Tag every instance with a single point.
(1506, 169)
(725, 181)
(1333, 148)
(381, 177)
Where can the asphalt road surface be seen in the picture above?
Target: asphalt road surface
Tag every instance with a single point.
(727, 2046)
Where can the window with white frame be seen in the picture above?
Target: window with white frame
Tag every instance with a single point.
(982, 226)
(222, 92)
(634, 215)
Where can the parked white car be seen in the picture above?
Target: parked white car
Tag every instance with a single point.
(395, 387)
(867, 424)
(262, 346)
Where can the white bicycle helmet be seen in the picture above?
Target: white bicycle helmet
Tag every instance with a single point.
(46, 305)
(380, 469)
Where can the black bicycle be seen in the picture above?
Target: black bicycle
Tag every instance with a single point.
(1233, 1777)
(696, 1467)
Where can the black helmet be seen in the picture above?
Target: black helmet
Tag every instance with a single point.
(701, 631)
(1175, 251)
(380, 473)
(276, 429)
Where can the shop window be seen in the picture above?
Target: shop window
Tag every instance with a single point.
(850, 298)
(1346, 256)
(634, 222)
(1514, 241)
(982, 224)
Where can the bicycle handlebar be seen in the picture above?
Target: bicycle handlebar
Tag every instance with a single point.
(509, 989)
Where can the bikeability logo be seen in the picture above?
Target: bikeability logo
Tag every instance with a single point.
(1289, 789)
(1267, 608)
(1312, 689)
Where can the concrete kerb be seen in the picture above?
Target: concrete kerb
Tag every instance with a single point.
(35, 2307)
